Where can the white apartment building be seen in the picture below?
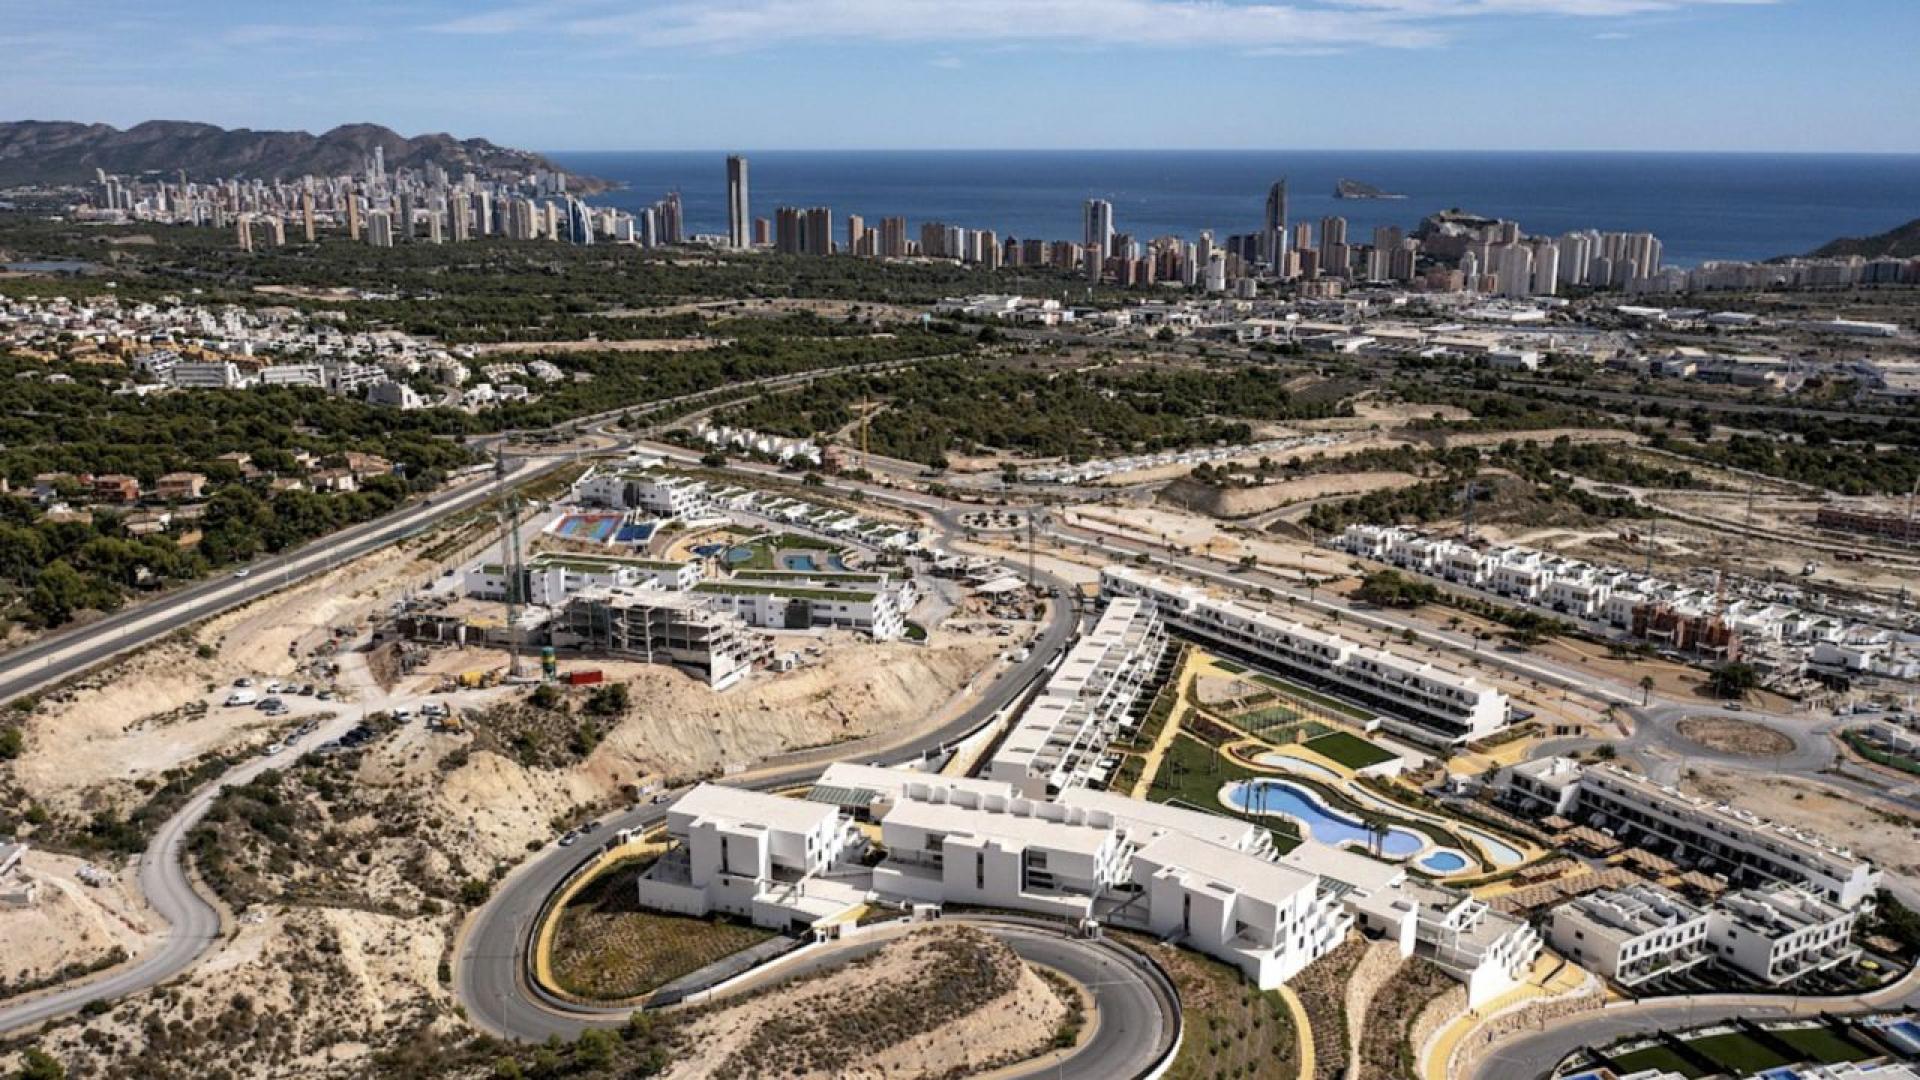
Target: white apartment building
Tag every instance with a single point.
(1417, 700)
(1780, 932)
(1267, 919)
(1630, 935)
(215, 375)
(1057, 743)
(816, 602)
(954, 847)
(752, 855)
(661, 494)
(1712, 836)
(551, 578)
(657, 626)
(867, 792)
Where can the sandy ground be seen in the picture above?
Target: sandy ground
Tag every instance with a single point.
(1018, 1023)
(333, 981)
(69, 922)
(1732, 736)
(137, 718)
(1241, 502)
(1891, 840)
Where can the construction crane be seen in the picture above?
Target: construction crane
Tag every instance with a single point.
(510, 559)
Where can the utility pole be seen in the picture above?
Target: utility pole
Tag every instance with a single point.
(1653, 539)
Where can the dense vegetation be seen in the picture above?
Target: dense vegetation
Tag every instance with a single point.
(932, 410)
(1500, 498)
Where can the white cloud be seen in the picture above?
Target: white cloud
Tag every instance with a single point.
(1262, 26)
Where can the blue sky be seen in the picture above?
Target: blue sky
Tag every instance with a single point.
(1798, 75)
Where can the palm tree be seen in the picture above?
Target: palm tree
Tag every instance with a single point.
(1646, 689)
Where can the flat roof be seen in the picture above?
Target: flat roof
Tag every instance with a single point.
(1205, 864)
(1015, 829)
(1144, 821)
(744, 807)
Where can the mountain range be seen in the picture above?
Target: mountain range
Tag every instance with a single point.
(57, 152)
(1900, 242)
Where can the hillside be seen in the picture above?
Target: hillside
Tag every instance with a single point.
(1901, 242)
(41, 152)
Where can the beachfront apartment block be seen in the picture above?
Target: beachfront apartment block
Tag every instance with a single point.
(1058, 743)
(1414, 699)
(1630, 935)
(1779, 933)
(658, 626)
(1692, 831)
(751, 855)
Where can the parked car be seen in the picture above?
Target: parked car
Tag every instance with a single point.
(241, 697)
(568, 838)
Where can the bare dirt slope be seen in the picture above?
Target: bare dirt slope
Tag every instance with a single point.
(932, 1004)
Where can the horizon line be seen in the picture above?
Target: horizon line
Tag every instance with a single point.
(1664, 151)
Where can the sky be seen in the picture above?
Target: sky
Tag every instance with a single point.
(1719, 75)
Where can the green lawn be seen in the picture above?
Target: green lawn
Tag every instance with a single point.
(1192, 774)
(1350, 750)
(1654, 1057)
(1740, 1053)
(1822, 1045)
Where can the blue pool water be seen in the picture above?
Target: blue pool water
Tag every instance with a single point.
(1444, 862)
(708, 551)
(739, 554)
(801, 563)
(1906, 1033)
(1326, 826)
(1502, 854)
(637, 533)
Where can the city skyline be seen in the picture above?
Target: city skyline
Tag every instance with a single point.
(562, 74)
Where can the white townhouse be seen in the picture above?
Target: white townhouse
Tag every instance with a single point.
(749, 854)
(1693, 831)
(1416, 699)
(551, 578)
(1267, 919)
(1780, 932)
(1630, 935)
(1057, 743)
(952, 847)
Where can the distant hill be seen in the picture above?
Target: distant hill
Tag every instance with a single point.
(1902, 242)
(43, 152)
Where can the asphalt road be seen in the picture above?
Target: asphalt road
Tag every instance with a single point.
(62, 656)
(192, 923)
(1131, 1000)
(1536, 1055)
(490, 973)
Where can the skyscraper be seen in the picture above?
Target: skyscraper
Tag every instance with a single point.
(856, 228)
(1099, 228)
(819, 231)
(893, 237)
(1273, 239)
(739, 216)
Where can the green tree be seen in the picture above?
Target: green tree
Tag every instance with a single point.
(37, 1064)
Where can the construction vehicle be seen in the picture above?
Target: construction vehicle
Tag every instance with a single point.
(479, 678)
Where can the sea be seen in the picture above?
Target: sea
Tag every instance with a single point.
(1702, 206)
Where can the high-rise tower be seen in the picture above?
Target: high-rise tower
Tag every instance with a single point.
(739, 215)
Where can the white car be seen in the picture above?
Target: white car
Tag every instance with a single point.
(275, 748)
(240, 573)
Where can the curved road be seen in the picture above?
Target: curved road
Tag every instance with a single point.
(193, 924)
(490, 972)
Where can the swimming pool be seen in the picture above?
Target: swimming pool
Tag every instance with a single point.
(738, 555)
(802, 563)
(1502, 854)
(1444, 862)
(708, 551)
(1288, 799)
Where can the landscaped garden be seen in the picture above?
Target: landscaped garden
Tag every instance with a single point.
(1233, 1029)
(606, 947)
(1349, 750)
